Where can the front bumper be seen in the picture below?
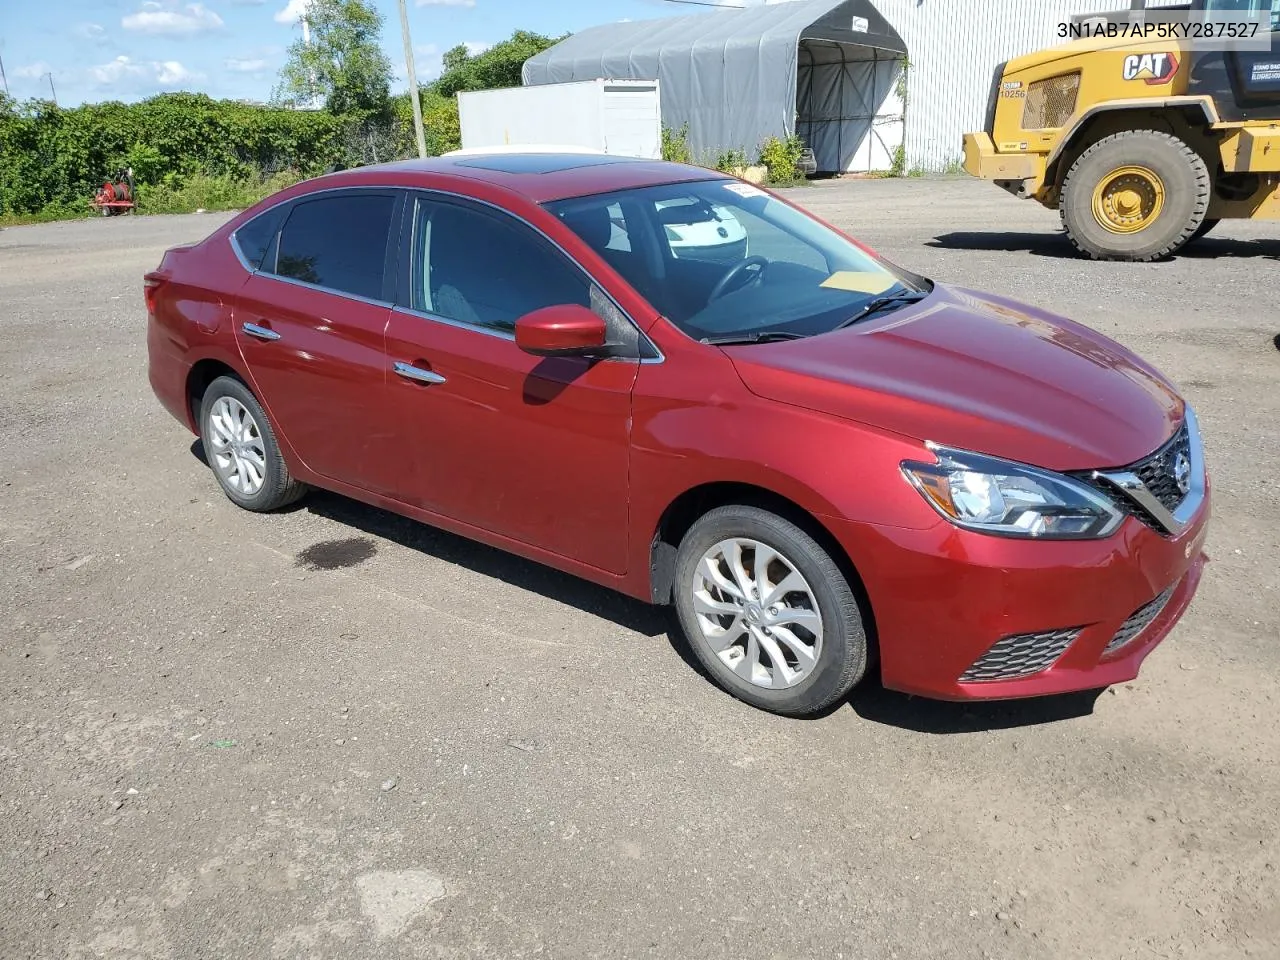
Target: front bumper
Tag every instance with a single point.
(943, 597)
(1019, 173)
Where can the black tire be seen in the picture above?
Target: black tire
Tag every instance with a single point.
(1186, 187)
(278, 488)
(842, 660)
(1205, 226)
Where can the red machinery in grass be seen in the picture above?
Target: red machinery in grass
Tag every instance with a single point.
(116, 195)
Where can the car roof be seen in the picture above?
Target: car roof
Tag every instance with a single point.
(539, 176)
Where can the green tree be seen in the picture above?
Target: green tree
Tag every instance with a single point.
(343, 63)
(499, 66)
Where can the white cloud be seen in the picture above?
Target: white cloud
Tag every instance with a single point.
(125, 71)
(444, 3)
(170, 73)
(239, 65)
(169, 20)
(475, 47)
(90, 31)
(32, 71)
(292, 12)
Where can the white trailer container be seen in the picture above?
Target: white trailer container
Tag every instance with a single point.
(621, 117)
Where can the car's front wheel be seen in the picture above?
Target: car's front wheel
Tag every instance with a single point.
(240, 446)
(768, 612)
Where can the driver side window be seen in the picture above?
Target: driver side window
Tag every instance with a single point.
(485, 269)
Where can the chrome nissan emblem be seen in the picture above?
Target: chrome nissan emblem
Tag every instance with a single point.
(1182, 473)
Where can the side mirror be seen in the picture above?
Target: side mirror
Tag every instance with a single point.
(568, 330)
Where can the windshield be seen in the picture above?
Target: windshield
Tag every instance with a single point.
(722, 259)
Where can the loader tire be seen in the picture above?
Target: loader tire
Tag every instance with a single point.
(1206, 225)
(1138, 195)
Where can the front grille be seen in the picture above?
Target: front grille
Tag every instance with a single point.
(1141, 619)
(1050, 102)
(1020, 655)
(1157, 472)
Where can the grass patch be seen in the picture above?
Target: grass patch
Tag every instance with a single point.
(205, 192)
(200, 191)
(47, 215)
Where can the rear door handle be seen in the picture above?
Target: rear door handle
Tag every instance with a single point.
(262, 333)
(410, 372)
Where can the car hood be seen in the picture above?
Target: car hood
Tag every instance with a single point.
(980, 372)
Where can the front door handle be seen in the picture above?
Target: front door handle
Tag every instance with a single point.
(410, 372)
(262, 333)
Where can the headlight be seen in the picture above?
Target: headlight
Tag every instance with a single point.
(1009, 499)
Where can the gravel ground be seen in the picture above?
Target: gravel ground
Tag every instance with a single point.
(333, 733)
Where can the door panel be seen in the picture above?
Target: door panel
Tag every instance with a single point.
(323, 381)
(535, 449)
(318, 356)
(530, 448)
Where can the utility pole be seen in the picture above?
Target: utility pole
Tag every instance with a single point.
(3, 77)
(413, 82)
(51, 90)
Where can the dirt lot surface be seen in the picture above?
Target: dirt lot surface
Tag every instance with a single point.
(333, 733)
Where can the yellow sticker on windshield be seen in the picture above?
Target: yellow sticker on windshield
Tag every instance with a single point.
(860, 281)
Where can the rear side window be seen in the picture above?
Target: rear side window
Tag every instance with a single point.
(254, 238)
(339, 242)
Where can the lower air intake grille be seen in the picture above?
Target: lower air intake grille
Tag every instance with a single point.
(1020, 655)
(1140, 620)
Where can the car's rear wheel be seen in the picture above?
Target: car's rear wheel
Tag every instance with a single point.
(240, 446)
(768, 612)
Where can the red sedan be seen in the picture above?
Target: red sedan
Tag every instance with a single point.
(820, 459)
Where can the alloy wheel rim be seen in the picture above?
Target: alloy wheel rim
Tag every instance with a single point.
(1128, 199)
(757, 613)
(236, 449)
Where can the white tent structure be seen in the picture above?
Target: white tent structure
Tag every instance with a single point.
(824, 69)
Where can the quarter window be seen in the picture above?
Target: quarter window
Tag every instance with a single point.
(254, 238)
(339, 242)
(483, 268)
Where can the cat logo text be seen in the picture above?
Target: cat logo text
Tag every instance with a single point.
(1153, 68)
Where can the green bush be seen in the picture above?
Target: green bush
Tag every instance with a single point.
(675, 144)
(189, 151)
(499, 66)
(731, 161)
(51, 158)
(203, 191)
(899, 165)
(782, 158)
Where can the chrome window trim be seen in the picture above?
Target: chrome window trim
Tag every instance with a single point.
(1131, 485)
(235, 247)
(329, 290)
(591, 280)
(497, 332)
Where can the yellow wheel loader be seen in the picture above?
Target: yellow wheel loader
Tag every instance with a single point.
(1142, 145)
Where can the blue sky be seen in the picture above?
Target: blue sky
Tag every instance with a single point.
(128, 49)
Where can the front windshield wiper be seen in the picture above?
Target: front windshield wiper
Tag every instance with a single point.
(760, 336)
(879, 303)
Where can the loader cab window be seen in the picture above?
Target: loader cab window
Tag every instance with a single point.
(1270, 7)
